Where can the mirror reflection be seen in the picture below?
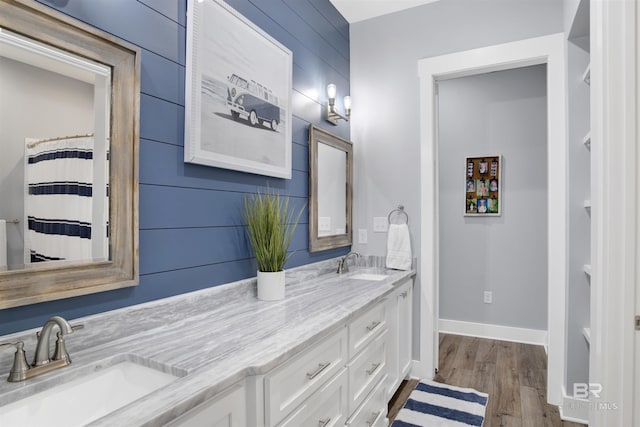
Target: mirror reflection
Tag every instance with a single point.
(332, 191)
(54, 168)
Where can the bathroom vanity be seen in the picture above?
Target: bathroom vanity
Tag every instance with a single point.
(330, 354)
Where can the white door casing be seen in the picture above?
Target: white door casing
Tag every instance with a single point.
(615, 234)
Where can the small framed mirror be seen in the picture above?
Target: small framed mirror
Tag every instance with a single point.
(330, 190)
(69, 169)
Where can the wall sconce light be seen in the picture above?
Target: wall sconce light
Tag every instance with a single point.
(332, 114)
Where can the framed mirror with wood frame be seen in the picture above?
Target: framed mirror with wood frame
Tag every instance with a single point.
(40, 31)
(330, 190)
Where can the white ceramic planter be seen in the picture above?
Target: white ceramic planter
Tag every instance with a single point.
(270, 285)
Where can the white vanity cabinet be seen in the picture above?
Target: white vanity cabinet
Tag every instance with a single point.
(227, 409)
(339, 381)
(399, 319)
(345, 379)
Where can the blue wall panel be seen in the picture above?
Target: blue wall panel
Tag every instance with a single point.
(215, 208)
(191, 228)
(172, 9)
(161, 120)
(165, 166)
(132, 21)
(162, 78)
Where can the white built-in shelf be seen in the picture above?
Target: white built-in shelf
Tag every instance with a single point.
(587, 141)
(586, 332)
(586, 76)
(587, 269)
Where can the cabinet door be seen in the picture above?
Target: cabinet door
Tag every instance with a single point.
(399, 319)
(225, 410)
(393, 364)
(404, 305)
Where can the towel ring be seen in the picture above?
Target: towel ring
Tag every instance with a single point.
(400, 210)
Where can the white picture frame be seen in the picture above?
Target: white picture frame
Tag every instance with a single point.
(237, 93)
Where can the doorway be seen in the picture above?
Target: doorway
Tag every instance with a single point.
(547, 50)
(493, 233)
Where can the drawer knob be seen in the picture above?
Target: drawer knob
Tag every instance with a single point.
(372, 419)
(373, 325)
(373, 368)
(404, 294)
(323, 422)
(321, 367)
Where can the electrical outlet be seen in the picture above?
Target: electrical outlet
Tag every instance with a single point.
(362, 236)
(324, 223)
(380, 224)
(488, 297)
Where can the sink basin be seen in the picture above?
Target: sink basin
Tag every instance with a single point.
(80, 401)
(369, 276)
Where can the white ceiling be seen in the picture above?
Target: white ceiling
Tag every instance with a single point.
(359, 10)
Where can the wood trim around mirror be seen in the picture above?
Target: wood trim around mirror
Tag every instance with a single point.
(317, 243)
(65, 280)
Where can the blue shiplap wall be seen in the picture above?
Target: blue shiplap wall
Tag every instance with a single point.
(191, 235)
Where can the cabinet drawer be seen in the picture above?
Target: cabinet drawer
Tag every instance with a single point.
(290, 384)
(373, 411)
(364, 329)
(227, 409)
(327, 407)
(366, 370)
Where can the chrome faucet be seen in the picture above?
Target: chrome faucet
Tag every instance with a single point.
(21, 370)
(343, 267)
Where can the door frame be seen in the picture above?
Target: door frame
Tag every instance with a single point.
(548, 50)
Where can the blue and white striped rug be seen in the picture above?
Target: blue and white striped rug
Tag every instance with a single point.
(434, 404)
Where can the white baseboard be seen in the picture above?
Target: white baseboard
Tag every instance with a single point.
(496, 332)
(574, 409)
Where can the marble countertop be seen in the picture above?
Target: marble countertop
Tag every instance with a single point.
(210, 339)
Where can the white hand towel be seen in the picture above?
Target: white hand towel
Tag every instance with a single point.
(398, 247)
(3, 245)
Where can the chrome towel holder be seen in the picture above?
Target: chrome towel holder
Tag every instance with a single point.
(400, 210)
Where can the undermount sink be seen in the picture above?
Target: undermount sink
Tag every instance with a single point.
(369, 276)
(80, 401)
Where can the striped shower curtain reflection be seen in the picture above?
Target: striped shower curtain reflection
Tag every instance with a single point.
(58, 205)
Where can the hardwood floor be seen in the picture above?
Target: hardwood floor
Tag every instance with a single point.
(513, 374)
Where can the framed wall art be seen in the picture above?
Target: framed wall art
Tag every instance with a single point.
(483, 186)
(238, 93)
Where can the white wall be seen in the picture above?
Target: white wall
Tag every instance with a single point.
(501, 113)
(385, 124)
(37, 104)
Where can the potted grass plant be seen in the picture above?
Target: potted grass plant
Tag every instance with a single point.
(271, 223)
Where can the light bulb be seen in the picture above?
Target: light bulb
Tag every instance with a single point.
(331, 91)
(347, 103)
